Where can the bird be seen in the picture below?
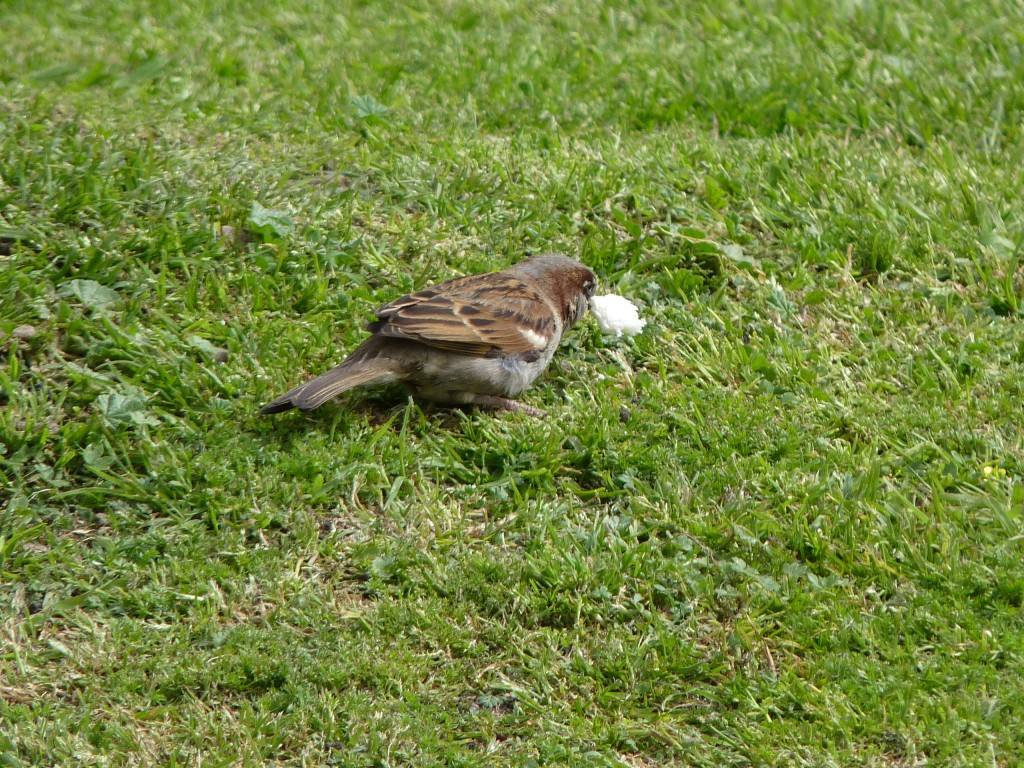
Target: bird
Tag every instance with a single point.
(479, 340)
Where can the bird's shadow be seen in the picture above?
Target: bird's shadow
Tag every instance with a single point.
(388, 409)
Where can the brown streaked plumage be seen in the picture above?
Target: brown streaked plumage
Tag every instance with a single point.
(481, 339)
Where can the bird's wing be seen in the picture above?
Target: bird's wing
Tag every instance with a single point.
(490, 314)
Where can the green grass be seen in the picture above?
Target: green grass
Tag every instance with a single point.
(783, 526)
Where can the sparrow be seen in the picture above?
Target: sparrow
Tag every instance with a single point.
(476, 340)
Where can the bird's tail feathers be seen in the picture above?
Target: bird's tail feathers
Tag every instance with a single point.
(348, 375)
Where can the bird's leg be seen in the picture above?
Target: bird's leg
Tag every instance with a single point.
(504, 404)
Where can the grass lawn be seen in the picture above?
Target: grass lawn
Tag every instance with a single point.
(783, 526)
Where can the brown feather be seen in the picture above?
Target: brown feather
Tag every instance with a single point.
(366, 366)
(455, 316)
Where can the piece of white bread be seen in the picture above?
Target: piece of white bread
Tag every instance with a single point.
(616, 314)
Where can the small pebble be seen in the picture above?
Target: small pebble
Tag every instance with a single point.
(234, 236)
(24, 332)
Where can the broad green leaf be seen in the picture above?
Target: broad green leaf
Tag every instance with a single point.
(269, 222)
(129, 408)
(90, 293)
(368, 108)
(95, 457)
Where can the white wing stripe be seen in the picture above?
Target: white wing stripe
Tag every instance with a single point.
(537, 340)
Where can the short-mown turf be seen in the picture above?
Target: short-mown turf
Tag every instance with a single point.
(783, 526)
